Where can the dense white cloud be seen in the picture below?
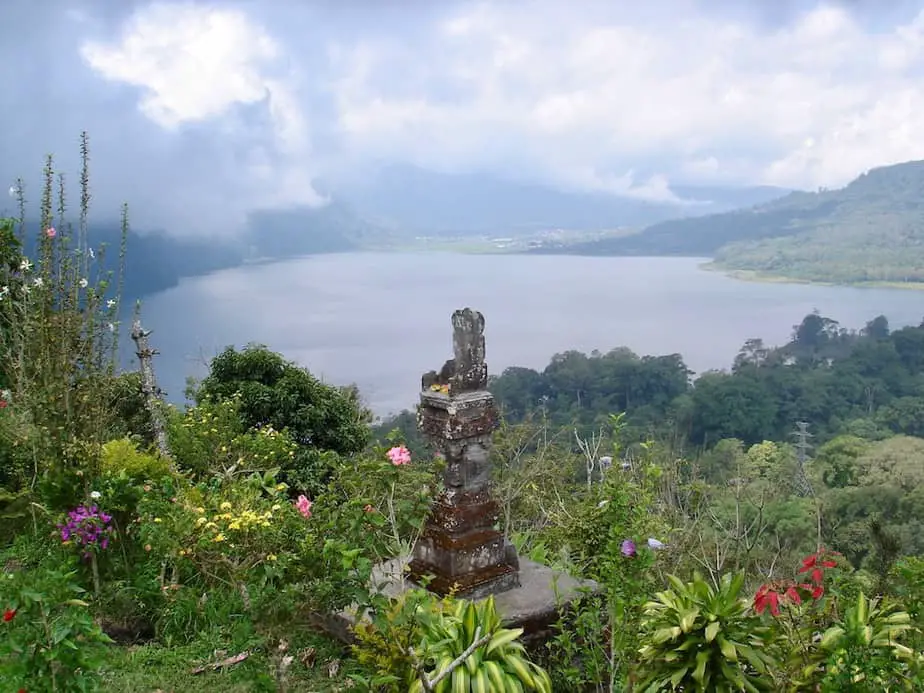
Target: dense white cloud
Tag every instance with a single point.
(586, 96)
(236, 104)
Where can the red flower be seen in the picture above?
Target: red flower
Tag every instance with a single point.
(767, 597)
(8, 615)
(773, 594)
(816, 563)
(4, 404)
(792, 594)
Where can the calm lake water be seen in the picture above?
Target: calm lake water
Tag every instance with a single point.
(381, 320)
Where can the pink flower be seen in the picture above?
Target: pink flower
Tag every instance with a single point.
(399, 455)
(304, 506)
(50, 232)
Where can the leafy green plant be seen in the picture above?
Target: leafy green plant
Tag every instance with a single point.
(123, 455)
(49, 641)
(469, 650)
(58, 343)
(384, 642)
(420, 642)
(396, 496)
(864, 652)
(702, 638)
(272, 391)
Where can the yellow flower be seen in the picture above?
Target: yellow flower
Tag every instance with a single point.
(235, 525)
(271, 557)
(219, 537)
(201, 511)
(157, 519)
(182, 552)
(211, 525)
(276, 508)
(225, 506)
(281, 487)
(201, 521)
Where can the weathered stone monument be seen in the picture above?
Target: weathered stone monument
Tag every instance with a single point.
(460, 549)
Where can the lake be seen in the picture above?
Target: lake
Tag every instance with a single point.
(380, 320)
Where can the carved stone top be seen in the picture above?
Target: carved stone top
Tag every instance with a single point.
(467, 371)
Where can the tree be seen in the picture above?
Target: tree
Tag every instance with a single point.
(320, 418)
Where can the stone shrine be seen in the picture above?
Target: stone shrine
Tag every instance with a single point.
(460, 548)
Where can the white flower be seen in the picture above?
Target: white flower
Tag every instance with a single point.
(5, 394)
(13, 191)
(602, 503)
(655, 544)
(38, 281)
(95, 495)
(25, 265)
(91, 253)
(26, 289)
(83, 283)
(4, 290)
(110, 303)
(112, 327)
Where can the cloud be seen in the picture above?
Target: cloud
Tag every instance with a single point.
(586, 96)
(201, 112)
(201, 64)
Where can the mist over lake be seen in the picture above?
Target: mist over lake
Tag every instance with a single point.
(380, 320)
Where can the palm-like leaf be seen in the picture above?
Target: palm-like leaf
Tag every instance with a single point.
(500, 664)
(698, 638)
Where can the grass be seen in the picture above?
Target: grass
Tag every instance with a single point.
(154, 668)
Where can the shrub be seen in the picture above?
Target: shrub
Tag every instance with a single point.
(123, 455)
(697, 637)
(456, 645)
(50, 641)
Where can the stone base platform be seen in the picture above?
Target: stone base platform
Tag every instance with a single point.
(535, 605)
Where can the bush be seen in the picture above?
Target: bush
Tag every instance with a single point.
(123, 456)
(50, 641)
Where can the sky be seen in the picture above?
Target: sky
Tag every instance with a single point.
(200, 112)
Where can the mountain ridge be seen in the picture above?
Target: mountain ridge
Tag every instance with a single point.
(869, 231)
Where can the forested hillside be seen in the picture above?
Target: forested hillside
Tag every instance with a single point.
(870, 231)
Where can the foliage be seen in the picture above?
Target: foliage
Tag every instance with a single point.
(212, 439)
(122, 456)
(698, 637)
(58, 344)
(274, 392)
(50, 641)
(864, 648)
(456, 645)
(395, 497)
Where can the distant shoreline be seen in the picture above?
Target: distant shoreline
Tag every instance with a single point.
(765, 278)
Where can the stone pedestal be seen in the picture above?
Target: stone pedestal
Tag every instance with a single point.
(460, 550)
(535, 605)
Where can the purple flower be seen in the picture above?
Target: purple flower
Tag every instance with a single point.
(87, 528)
(628, 548)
